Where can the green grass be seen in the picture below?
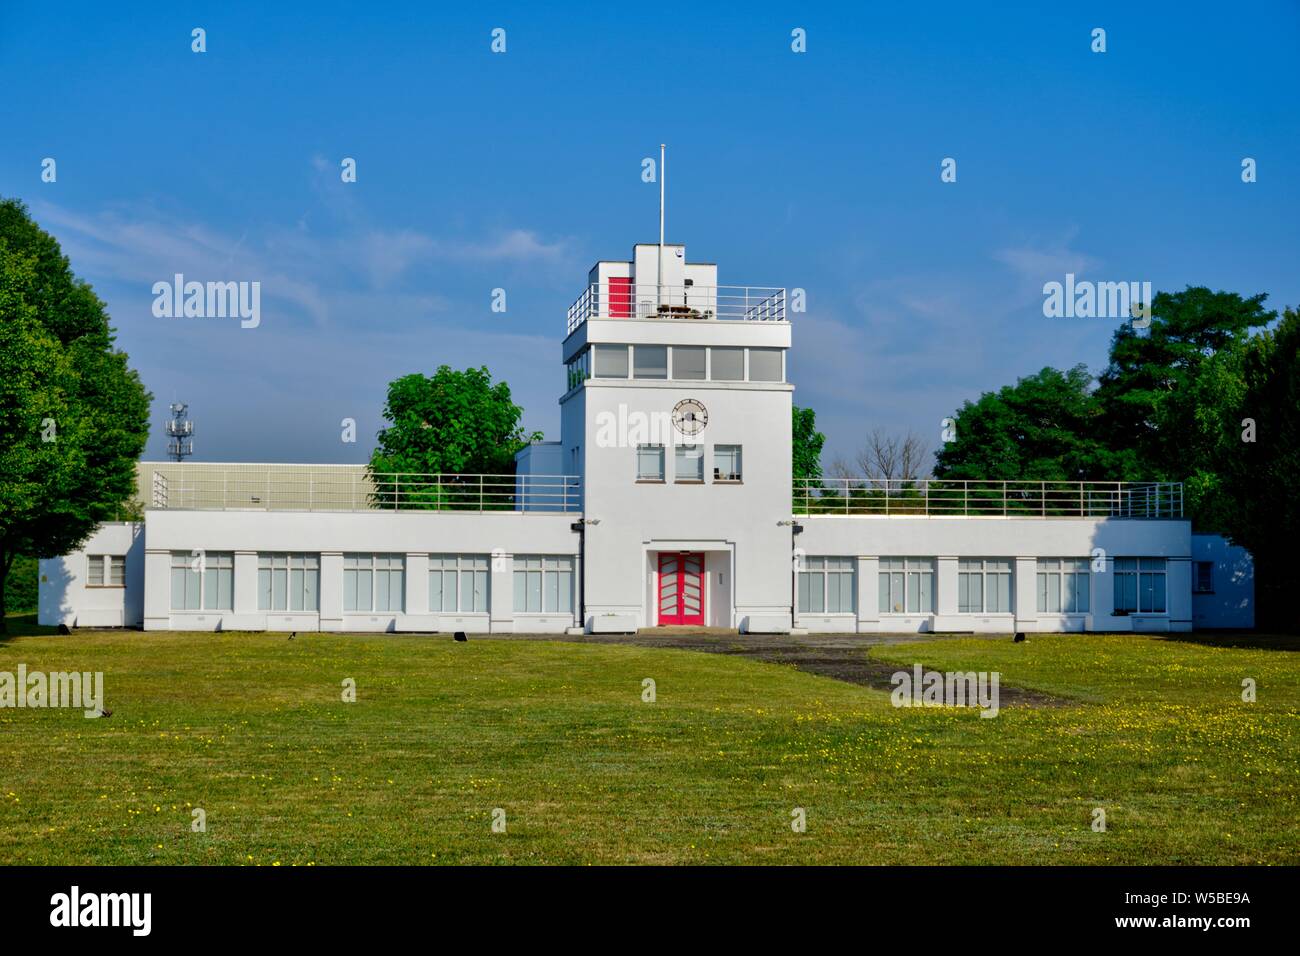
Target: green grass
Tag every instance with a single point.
(251, 728)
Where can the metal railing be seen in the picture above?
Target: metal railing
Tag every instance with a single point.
(704, 303)
(932, 497)
(289, 488)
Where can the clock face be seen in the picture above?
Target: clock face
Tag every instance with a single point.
(690, 416)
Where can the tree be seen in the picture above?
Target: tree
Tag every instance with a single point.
(896, 458)
(806, 446)
(1043, 428)
(73, 416)
(1259, 468)
(450, 423)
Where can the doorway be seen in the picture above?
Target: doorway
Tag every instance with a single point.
(681, 588)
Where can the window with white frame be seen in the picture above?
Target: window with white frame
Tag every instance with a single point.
(610, 361)
(828, 585)
(1140, 585)
(1064, 586)
(649, 361)
(374, 582)
(984, 585)
(728, 364)
(544, 583)
(203, 581)
(458, 582)
(906, 585)
(649, 462)
(726, 463)
(688, 362)
(288, 581)
(106, 571)
(688, 463)
(765, 365)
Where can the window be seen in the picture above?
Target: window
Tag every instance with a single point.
(649, 462)
(765, 365)
(649, 361)
(1139, 585)
(203, 581)
(106, 570)
(458, 582)
(288, 582)
(1204, 582)
(579, 368)
(984, 586)
(1064, 586)
(827, 585)
(906, 585)
(688, 463)
(611, 361)
(544, 583)
(728, 365)
(374, 582)
(688, 362)
(726, 463)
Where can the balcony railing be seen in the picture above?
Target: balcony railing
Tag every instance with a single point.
(932, 497)
(287, 488)
(704, 303)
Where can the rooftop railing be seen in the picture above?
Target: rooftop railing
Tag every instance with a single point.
(611, 300)
(322, 489)
(932, 497)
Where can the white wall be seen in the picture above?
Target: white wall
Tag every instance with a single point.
(1023, 539)
(66, 598)
(334, 534)
(1232, 602)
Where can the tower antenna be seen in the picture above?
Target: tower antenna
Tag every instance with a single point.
(180, 432)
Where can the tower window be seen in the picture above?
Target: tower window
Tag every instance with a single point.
(611, 361)
(765, 365)
(649, 462)
(726, 463)
(728, 365)
(649, 361)
(688, 463)
(688, 362)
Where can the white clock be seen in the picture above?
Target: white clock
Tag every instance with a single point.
(690, 416)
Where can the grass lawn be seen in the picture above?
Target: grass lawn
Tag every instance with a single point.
(252, 728)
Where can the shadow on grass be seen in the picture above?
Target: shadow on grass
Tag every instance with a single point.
(24, 625)
(1249, 639)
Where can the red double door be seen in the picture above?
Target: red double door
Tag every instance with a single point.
(681, 588)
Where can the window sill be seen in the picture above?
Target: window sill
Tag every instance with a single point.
(688, 481)
(650, 481)
(727, 481)
(106, 587)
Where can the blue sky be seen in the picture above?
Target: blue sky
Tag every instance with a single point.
(475, 171)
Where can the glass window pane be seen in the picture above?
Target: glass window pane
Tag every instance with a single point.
(913, 593)
(728, 364)
(688, 362)
(551, 599)
(882, 595)
(611, 361)
(649, 361)
(1082, 593)
(535, 591)
(566, 592)
(311, 590)
(765, 365)
(95, 569)
(279, 583)
(263, 589)
(521, 591)
(650, 463)
(804, 585)
(467, 591)
(927, 593)
(435, 590)
(726, 463)
(688, 463)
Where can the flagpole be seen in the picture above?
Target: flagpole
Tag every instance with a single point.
(663, 175)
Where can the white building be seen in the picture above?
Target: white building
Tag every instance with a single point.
(668, 500)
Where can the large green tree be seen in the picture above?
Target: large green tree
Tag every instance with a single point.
(806, 446)
(1258, 468)
(449, 423)
(1170, 390)
(1040, 429)
(74, 416)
